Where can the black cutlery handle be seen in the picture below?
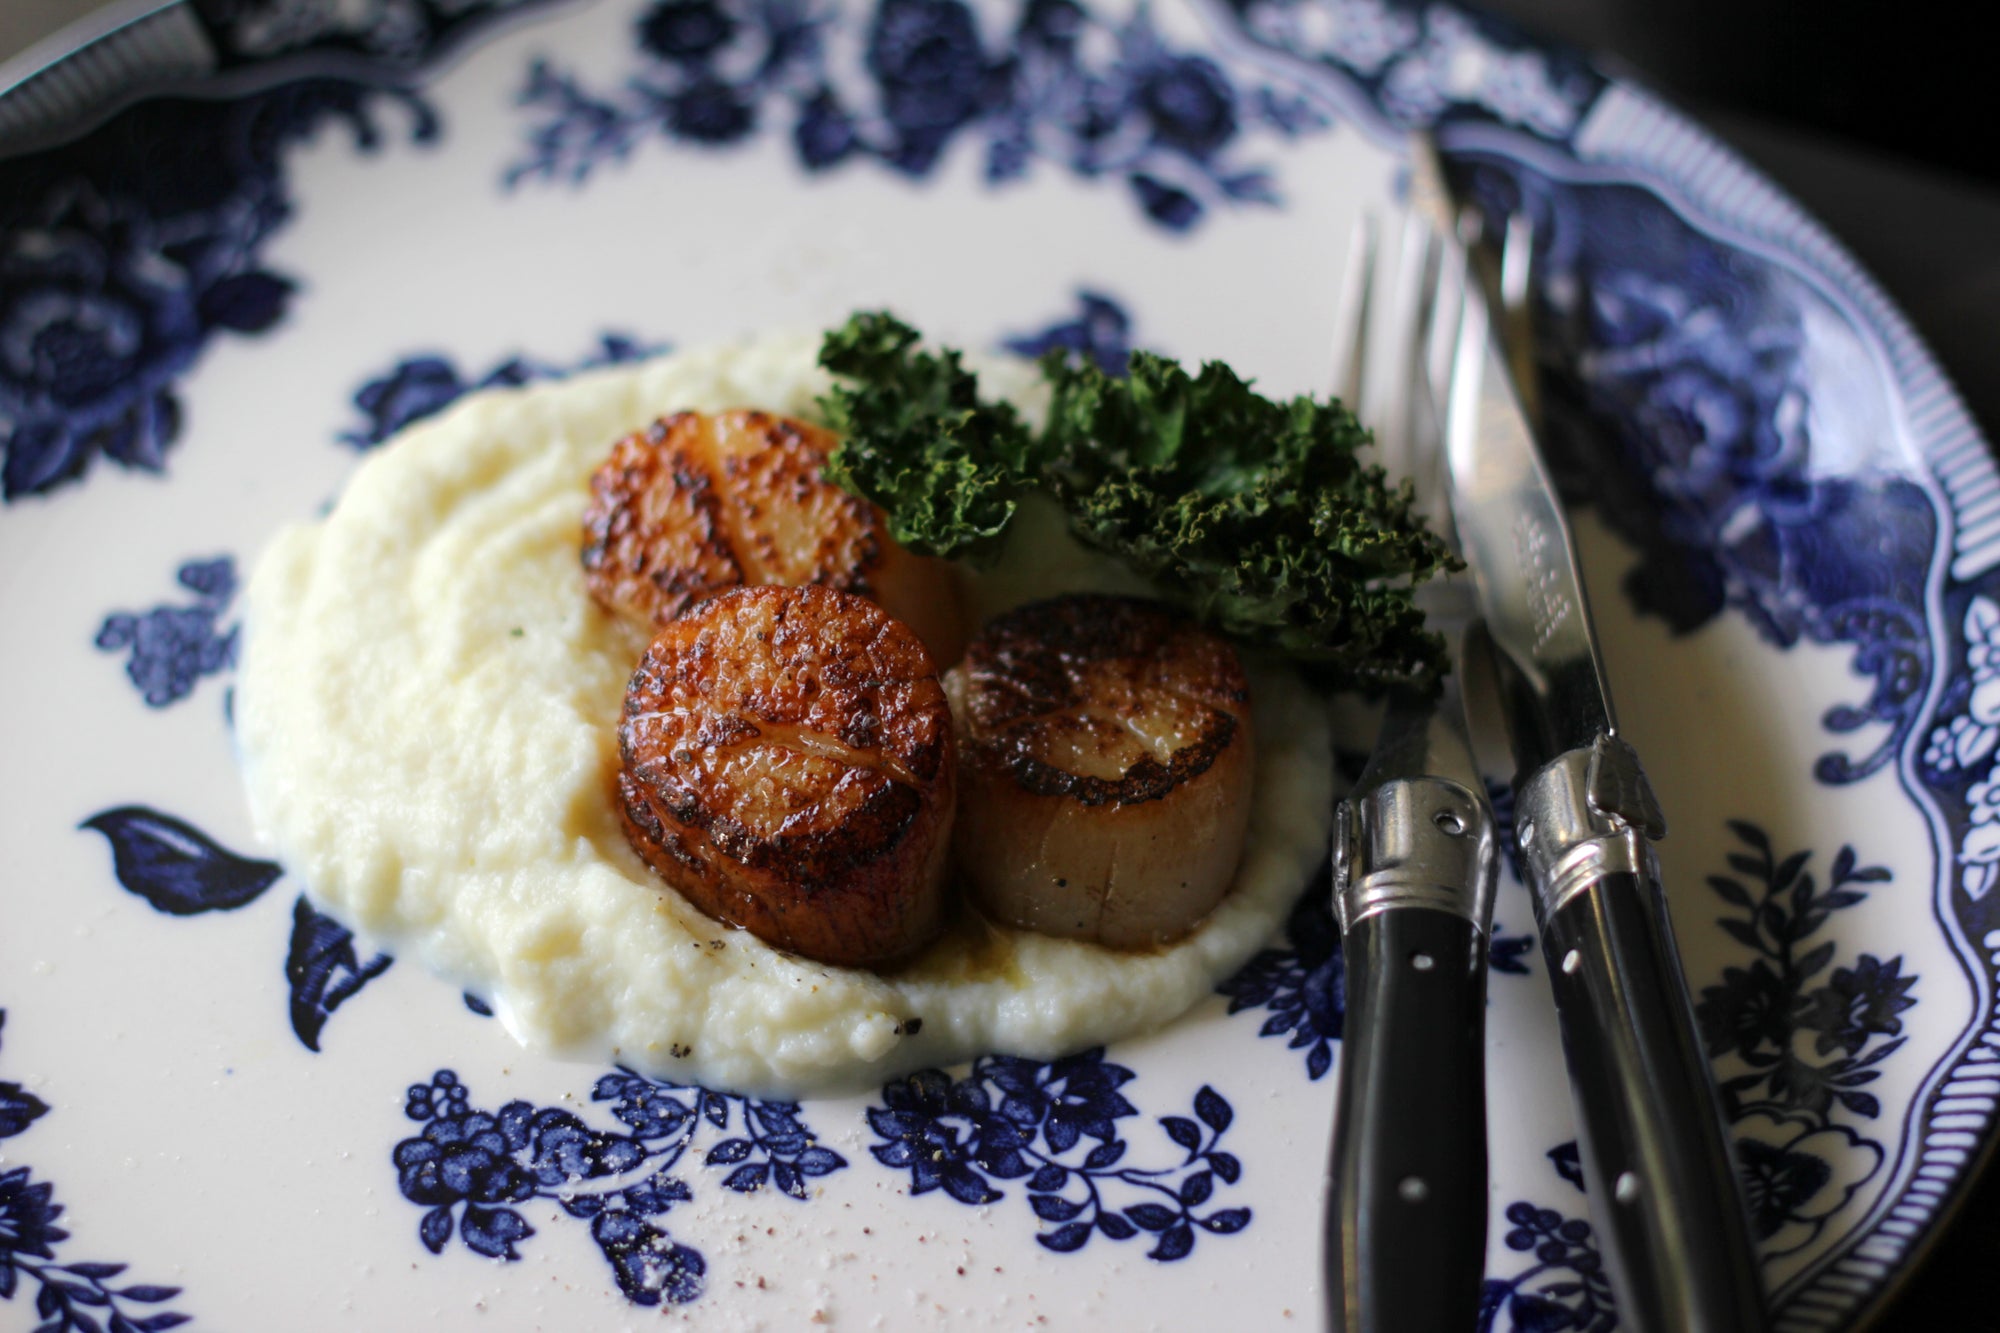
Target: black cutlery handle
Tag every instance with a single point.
(1406, 1234)
(1656, 1159)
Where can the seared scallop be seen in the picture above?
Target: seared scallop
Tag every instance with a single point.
(1105, 766)
(697, 503)
(789, 767)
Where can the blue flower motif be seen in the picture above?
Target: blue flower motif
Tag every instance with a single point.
(1101, 330)
(470, 1168)
(1859, 1003)
(124, 254)
(70, 1295)
(95, 326)
(1189, 105)
(931, 73)
(686, 31)
(711, 112)
(173, 647)
(1799, 1166)
(717, 71)
(1757, 1013)
(1055, 1124)
(1679, 382)
(1304, 985)
(1797, 1174)
(1572, 1290)
(394, 32)
(425, 384)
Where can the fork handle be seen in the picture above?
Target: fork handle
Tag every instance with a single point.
(1407, 1198)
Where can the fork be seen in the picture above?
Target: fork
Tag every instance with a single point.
(1414, 854)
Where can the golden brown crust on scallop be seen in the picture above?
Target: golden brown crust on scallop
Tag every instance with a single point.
(696, 503)
(789, 766)
(1056, 677)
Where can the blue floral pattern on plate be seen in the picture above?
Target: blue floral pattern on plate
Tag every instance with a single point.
(1812, 1039)
(425, 384)
(70, 1296)
(173, 647)
(123, 256)
(1692, 361)
(717, 72)
(1054, 1124)
(471, 1168)
(181, 871)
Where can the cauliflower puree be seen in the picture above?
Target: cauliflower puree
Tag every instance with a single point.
(428, 711)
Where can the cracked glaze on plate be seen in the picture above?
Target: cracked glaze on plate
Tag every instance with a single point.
(217, 1105)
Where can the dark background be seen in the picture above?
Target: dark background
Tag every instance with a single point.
(1910, 79)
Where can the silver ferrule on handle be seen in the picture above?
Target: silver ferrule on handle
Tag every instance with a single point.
(1413, 842)
(1586, 814)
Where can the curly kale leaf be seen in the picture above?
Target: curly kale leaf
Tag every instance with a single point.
(1257, 515)
(947, 468)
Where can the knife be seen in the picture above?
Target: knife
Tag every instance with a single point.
(1413, 868)
(1655, 1154)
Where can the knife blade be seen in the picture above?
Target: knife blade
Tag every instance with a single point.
(1654, 1150)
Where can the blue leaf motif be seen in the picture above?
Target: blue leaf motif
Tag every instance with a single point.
(1227, 1220)
(435, 1229)
(1568, 1162)
(1182, 1131)
(1064, 1239)
(1054, 1208)
(1175, 1243)
(1536, 1314)
(19, 1108)
(175, 866)
(323, 970)
(29, 1238)
(1115, 1227)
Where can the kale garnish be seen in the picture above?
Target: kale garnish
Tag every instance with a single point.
(1258, 516)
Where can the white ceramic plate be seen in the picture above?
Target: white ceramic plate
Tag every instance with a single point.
(208, 306)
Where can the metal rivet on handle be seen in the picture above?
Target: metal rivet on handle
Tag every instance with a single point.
(1571, 962)
(1412, 1189)
(1448, 822)
(1627, 1188)
(1423, 962)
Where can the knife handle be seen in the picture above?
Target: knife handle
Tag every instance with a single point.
(1655, 1153)
(1407, 1197)
(1656, 1159)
